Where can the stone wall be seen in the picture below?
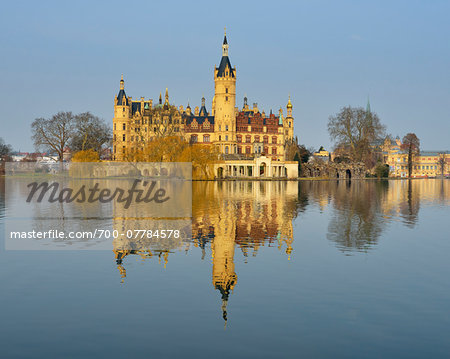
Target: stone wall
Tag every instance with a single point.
(333, 170)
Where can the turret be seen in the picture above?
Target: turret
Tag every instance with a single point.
(288, 122)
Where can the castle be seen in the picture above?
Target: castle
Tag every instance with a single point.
(239, 134)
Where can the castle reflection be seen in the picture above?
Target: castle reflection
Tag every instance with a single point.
(245, 216)
(226, 215)
(252, 215)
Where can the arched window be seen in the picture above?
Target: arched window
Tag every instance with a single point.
(266, 139)
(274, 139)
(194, 138)
(226, 149)
(248, 139)
(206, 138)
(274, 150)
(247, 149)
(239, 138)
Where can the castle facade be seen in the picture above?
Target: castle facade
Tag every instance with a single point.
(239, 134)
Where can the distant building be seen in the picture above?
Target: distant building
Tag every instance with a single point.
(425, 164)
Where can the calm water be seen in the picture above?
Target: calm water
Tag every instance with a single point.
(274, 269)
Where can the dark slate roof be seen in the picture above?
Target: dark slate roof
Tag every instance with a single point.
(203, 111)
(225, 40)
(223, 64)
(199, 119)
(120, 96)
(135, 106)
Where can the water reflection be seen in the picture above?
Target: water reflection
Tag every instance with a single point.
(252, 216)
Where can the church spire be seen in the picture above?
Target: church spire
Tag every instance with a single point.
(368, 105)
(167, 95)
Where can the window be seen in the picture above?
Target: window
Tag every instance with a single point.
(266, 139)
(247, 149)
(226, 138)
(226, 128)
(274, 139)
(226, 149)
(239, 138)
(239, 149)
(220, 138)
(256, 138)
(274, 150)
(132, 138)
(124, 126)
(114, 127)
(193, 138)
(248, 139)
(123, 137)
(206, 138)
(226, 89)
(226, 98)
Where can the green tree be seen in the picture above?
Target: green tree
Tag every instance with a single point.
(5, 149)
(382, 170)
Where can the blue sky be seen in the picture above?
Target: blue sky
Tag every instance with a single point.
(61, 56)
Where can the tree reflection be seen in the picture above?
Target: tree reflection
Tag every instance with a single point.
(409, 207)
(356, 222)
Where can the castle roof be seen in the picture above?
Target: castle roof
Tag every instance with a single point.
(120, 95)
(223, 64)
(135, 106)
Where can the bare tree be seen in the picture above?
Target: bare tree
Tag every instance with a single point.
(91, 133)
(441, 162)
(355, 130)
(411, 144)
(53, 134)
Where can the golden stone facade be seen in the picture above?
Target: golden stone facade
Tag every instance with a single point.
(425, 164)
(238, 133)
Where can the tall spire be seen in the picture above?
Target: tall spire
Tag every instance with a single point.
(368, 105)
(167, 95)
(160, 98)
(225, 44)
(122, 83)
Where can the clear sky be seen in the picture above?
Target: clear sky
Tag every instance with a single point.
(68, 56)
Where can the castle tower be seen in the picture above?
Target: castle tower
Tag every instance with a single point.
(120, 122)
(288, 122)
(224, 103)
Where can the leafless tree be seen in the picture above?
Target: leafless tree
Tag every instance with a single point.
(411, 144)
(355, 130)
(91, 133)
(53, 134)
(441, 162)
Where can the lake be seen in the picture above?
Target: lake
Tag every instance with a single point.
(309, 269)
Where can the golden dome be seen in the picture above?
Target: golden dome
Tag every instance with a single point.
(289, 104)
